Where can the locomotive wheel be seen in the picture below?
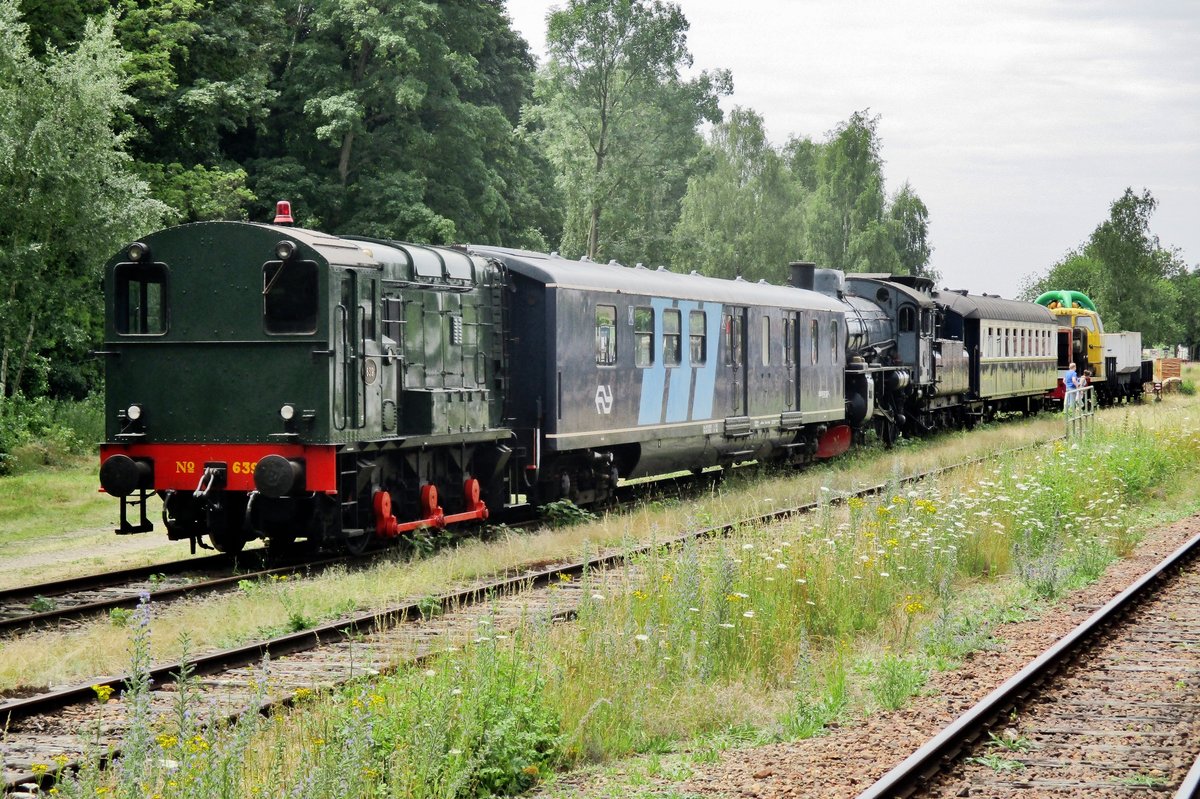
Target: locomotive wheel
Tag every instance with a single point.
(358, 544)
(225, 524)
(228, 541)
(887, 432)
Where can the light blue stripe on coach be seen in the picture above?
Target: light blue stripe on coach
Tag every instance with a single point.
(706, 375)
(680, 388)
(654, 377)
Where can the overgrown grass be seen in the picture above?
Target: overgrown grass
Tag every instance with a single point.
(774, 632)
(35, 433)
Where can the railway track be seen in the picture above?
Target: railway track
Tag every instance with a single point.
(46, 726)
(1111, 710)
(45, 604)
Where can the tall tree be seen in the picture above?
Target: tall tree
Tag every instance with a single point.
(399, 118)
(743, 214)
(849, 198)
(908, 219)
(620, 121)
(1135, 282)
(70, 195)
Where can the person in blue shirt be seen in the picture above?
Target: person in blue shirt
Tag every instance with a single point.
(1070, 383)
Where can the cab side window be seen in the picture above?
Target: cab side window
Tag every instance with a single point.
(141, 299)
(290, 297)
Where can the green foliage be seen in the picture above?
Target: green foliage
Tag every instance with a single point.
(998, 763)
(742, 214)
(200, 193)
(69, 187)
(41, 604)
(618, 121)
(751, 208)
(1135, 282)
(564, 512)
(895, 679)
(46, 432)
(850, 225)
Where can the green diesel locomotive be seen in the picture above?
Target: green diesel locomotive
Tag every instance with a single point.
(255, 377)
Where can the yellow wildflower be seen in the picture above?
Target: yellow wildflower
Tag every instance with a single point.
(103, 692)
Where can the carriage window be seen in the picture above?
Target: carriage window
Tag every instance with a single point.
(907, 319)
(1007, 342)
(290, 297)
(833, 340)
(698, 337)
(643, 336)
(789, 350)
(671, 337)
(766, 340)
(606, 335)
(815, 330)
(732, 333)
(141, 299)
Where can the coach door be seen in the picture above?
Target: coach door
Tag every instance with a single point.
(790, 320)
(733, 333)
(349, 320)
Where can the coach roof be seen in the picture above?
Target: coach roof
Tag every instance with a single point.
(556, 272)
(974, 306)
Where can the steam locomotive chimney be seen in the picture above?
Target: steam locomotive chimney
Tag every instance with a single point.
(803, 273)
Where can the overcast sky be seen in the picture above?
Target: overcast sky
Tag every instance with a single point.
(1018, 122)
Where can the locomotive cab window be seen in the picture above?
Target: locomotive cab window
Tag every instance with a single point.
(141, 299)
(290, 297)
(606, 335)
(908, 319)
(698, 337)
(671, 337)
(643, 336)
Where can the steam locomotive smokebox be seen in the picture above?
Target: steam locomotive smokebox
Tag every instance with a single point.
(441, 411)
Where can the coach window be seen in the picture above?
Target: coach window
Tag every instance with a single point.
(732, 333)
(815, 331)
(141, 299)
(789, 332)
(290, 297)
(606, 335)
(643, 336)
(671, 337)
(833, 340)
(698, 337)
(766, 340)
